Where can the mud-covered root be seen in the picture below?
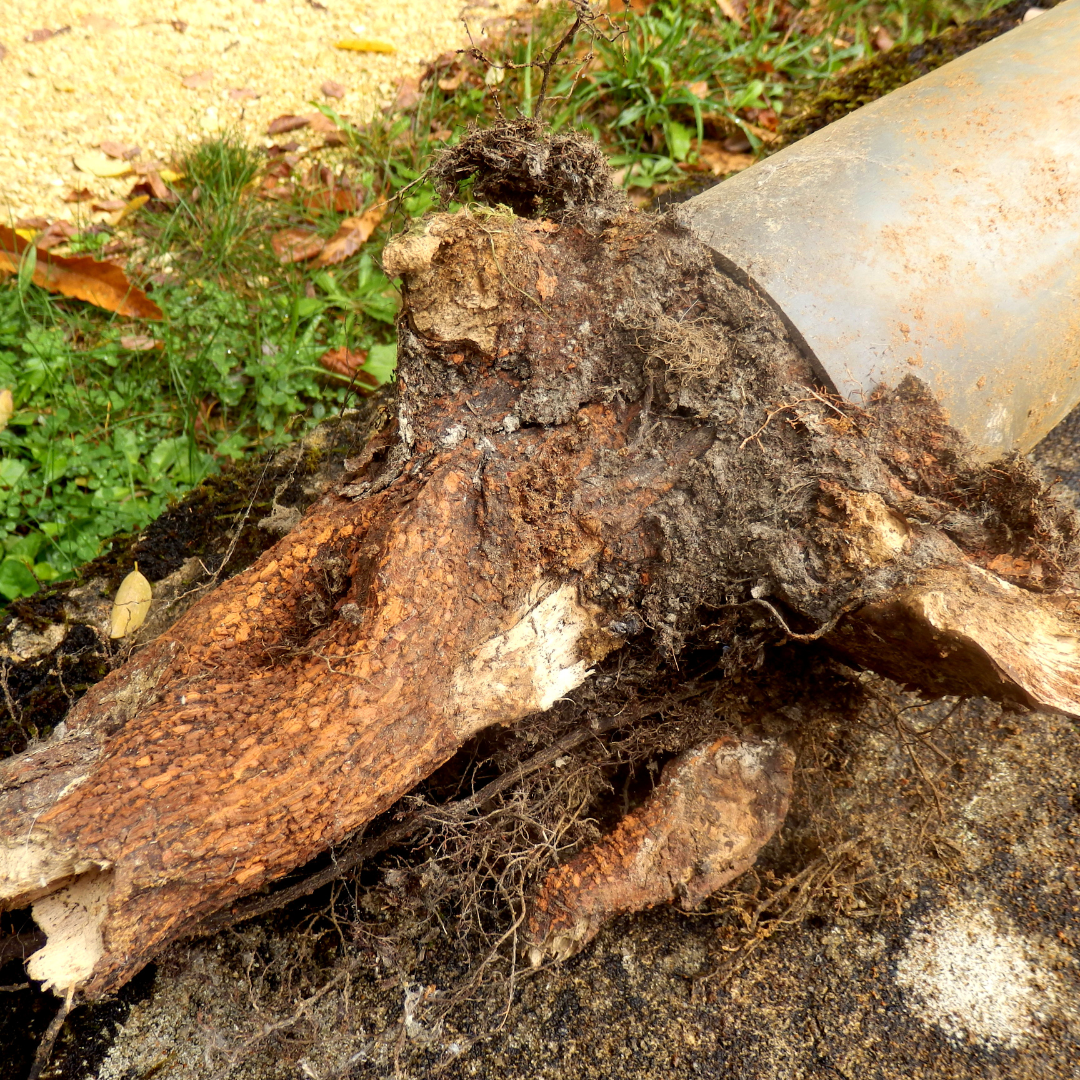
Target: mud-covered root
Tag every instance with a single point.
(521, 165)
(714, 809)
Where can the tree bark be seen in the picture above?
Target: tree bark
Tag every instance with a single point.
(598, 436)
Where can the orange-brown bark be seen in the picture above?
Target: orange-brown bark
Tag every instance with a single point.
(714, 809)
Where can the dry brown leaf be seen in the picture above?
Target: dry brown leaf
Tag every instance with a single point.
(152, 185)
(321, 124)
(81, 195)
(35, 37)
(345, 362)
(718, 161)
(32, 223)
(59, 232)
(285, 123)
(735, 11)
(296, 245)
(546, 284)
(698, 89)
(108, 206)
(407, 95)
(353, 232)
(332, 89)
(179, 25)
(103, 284)
(200, 80)
(3, 50)
(243, 93)
(140, 343)
(118, 150)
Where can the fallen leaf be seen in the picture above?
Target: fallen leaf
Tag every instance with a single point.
(32, 223)
(540, 225)
(546, 284)
(152, 185)
(98, 164)
(718, 161)
(59, 232)
(129, 208)
(118, 150)
(199, 81)
(243, 94)
(170, 176)
(296, 245)
(449, 83)
(286, 123)
(131, 605)
(365, 45)
(108, 206)
(3, 50)
(348, 363)
(37, 36)
(102, 284)
(323, 125)
(332, 89)
(317, 6)
(737, 144)
(7, 405)
(139, 343)
(407, 95)
(81, 195)
(353, 232)
(699, 89)
(179, 25)
(736, 11)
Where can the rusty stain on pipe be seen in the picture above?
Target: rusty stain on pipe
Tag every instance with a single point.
(934, 232)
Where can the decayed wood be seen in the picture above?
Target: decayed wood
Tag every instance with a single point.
(575, 460)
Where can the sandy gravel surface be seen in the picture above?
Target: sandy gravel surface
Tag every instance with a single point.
(117, 74)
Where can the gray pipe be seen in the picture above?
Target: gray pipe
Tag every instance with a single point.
(935, 231)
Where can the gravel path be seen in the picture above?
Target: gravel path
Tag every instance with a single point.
(116, 72)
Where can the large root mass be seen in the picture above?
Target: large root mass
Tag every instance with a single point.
(599, 437)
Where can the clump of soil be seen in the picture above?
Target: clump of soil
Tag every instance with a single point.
(521, 165)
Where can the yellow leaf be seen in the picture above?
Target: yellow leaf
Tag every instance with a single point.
(99, 164)
(129, 208)
(365, 45)
(7, 408)
(131, 605)
(26, 234)
(170, 176)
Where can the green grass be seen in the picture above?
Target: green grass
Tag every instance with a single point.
(104, 436)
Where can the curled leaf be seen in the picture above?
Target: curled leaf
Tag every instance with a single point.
(131, 605)
(352, 232)
(103, 284)
(296, 245)
(365, 45)
(99, 164)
